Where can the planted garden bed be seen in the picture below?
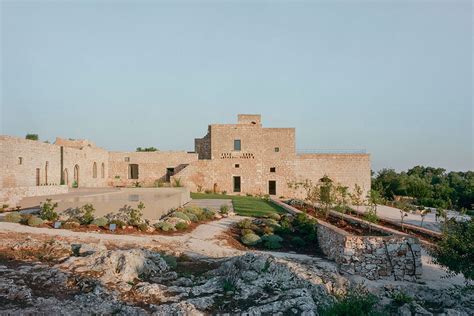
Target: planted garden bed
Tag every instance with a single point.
(376, 252)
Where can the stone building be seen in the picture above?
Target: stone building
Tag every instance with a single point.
(236, 158)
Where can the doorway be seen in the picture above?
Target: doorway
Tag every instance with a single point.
(169, 174)
(236, 184)
(272, 187)
(65, 177)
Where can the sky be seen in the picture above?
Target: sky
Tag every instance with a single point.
(393, 78)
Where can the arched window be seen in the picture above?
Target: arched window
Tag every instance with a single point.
(102, 171)
(94, 170)
(65, 177)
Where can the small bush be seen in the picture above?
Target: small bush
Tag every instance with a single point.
(164, 226)
(208, 214)
(298, 242)
(47, 212)
(272, 241)
(70, 225)
(246, 231)
(250, 239)
(101, 222)
(192, 217)
(356, 302)
(224, 209)
(181, 226)
(267, 230)
(224, 192)
(207, 191)
(35, 221)
(182, 216)
(13, 217)
(171, 261)
(401, 298)
(274, 216)
(246, 223)
(143, 227)
(87, 214)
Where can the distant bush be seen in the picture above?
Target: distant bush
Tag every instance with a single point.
(224, 209)
(32, 136)
(272, 241)
(171, 261)
(250, 239)
(246, 231)
(143, 227)
(224, 192)
(207, 191)
(401, 298)
(356, 302)
(13, 217)
(208, 214)
(101, 222)
(274, 216)
(35, 221)
(47, 211)
(181, 226)
(192, 217)
(71, 225)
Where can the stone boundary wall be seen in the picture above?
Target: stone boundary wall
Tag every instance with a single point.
(396, 256)
(13, 196)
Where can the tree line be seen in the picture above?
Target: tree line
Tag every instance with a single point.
(428, 186)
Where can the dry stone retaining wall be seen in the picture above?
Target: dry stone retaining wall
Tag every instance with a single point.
(395, 256)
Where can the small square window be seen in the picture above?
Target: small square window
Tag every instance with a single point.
(277, 149)
(127, 159)
(20, 160)
(237, 165)
(237, 144)
(272, 169)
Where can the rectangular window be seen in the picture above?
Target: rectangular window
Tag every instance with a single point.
(272, 169)
(20, 160)
(237, 165)
(237, 144)
(236, 184)
(277, 149)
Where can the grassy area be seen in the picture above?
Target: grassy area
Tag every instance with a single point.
(245, 205)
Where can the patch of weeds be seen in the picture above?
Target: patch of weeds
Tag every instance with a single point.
(228, 285)
(401, 298)
(266, 266)
(356, 302)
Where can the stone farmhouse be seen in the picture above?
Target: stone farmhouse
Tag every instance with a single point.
(236, 158)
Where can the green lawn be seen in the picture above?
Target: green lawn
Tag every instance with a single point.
(245, 205)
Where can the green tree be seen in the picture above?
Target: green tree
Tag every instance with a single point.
(456, 248)
(32, 136)
(146, 149)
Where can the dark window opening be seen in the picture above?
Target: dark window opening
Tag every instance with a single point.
(277, 149)
(236, 184)
(237, 165)
(37, 176)
(272, 187)
(169, 174)
(20, 160)
(133, 171)
(272, 169)
(237, 144)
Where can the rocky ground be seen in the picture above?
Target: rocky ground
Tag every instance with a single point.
(44, 275)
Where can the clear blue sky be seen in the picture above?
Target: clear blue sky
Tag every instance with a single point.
(391, 77)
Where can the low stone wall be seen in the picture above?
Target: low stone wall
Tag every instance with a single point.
(396, 256)
(13, 196)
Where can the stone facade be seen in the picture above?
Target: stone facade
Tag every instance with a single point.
(395, 256)
(236, 158)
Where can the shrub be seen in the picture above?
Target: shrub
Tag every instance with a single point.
(274, 216)
(13, 217)
(74, 184)
(47, 211)
(101, 222)
(118, 223)
(207, 191)
(224, 192)
(246, 231)
(182, 216)
(267, 230)
(192, 217)
(305, 226)
(164, 226)
(87, 214)
(35, 221)
(356, 302)
(246, 223)
(250, 239)
(181, 226)
(298, 242)
(143, 227)
(208, 214)
(224, 209)
(272, 241)
(70, 225)
(171, 261)
(401, 298)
